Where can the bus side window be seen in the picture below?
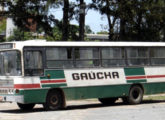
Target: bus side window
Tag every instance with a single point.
(33, 63)
(112, 57)
(59, 57)
(157, 56)
(137, 56)
(87, 57)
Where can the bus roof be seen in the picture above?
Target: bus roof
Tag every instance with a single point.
(21, 44)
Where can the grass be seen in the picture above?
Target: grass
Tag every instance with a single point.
(155, 97)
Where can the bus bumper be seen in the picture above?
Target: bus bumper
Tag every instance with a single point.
(12, 98)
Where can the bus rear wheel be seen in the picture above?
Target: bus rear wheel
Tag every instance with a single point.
(54, 100)
(25, 106)
(135, 95)
(108, 101)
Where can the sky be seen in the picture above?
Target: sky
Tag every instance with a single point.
(94, 19)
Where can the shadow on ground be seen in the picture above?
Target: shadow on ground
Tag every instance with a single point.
(79, 107)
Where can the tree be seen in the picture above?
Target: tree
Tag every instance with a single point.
(19, 35)
(36, 10)
(138, 20)
(65, 26)
(88, 29)
(103, 32)
(82, 20)
(2, 29)
(141, 20)
(110, 9)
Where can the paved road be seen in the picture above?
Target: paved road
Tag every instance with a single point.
(88, 110)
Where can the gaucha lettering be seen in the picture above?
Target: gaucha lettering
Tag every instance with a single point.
(84, 76)
(75, 76)
(92, 76)
(115, 74)
(95, 76)
(100, 75)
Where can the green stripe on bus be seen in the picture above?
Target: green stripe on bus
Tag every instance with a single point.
(72, 93)
(134, 71)
(136, 81)
(54, 74)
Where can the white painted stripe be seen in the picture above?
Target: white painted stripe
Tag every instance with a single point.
(149, 71)
(27, 80)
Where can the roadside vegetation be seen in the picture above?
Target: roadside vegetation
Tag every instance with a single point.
(128, 20)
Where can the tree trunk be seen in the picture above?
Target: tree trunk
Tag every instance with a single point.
(122, 30)
(139, 35)
(110, 28)
(65, 24)
(110, 23)
(82, 20)
(164, 34)
(122, 34)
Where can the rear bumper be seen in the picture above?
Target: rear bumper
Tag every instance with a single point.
(12, 98)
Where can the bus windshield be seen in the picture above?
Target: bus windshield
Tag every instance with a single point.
(10, 63)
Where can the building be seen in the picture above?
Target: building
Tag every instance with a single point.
(99, 37)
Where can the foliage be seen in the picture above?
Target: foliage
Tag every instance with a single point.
(36, 10)
(88, 29)
(19, 35)
(2, 25)
(2, 29)
(102, 32)
(57, 33)
(138, 20)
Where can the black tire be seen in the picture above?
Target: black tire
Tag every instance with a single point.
(135, 95)
(25, 106)
(108, 101)
(54, 101)
(125, 100)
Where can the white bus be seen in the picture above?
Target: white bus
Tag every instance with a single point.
(49, 73)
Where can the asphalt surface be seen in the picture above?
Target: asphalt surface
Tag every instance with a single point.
(88, 110)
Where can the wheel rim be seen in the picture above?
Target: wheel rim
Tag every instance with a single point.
(54, 100)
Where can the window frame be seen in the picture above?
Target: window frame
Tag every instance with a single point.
(46, 60)
(137, 58)
(99, 57)
(21, 68)
(34, 48)
(151, 64)
(123, 53)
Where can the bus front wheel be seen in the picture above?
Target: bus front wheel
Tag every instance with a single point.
(135, 95)
(54, 100)
(25, 106)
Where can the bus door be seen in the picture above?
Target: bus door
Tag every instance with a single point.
(33, 61)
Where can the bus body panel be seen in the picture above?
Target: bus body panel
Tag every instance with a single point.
(75, 93)
(35, 89)
(151, 79)
(98, 81)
